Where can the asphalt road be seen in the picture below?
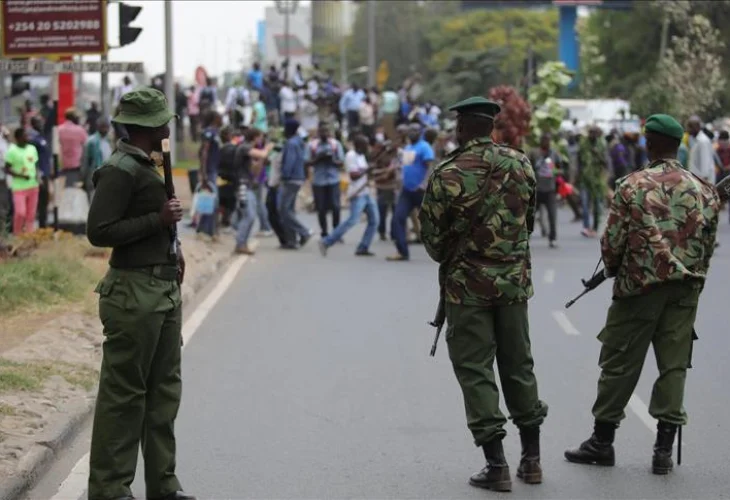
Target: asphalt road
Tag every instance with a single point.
(310, 378)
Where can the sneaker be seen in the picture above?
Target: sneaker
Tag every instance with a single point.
(243, 250)
(396, 258)
(265, 234)
(322, 248)
(364, 253)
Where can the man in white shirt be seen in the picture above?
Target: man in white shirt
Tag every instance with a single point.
(288, 100)
(701, 152)
(237, 100)
(361, 200)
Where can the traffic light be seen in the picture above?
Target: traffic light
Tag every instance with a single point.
(127, 14)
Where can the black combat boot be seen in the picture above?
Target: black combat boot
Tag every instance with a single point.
(662, 463)
(495, 476)
(529, 470)
(598, 449)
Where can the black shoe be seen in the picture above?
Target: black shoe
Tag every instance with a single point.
(304, 239)
(661, 462)
(495, 476)
(176, 495)
(383, 237)
(598, 449)
(364, 253)
(530, 470)
(289, 246)
(553, 244)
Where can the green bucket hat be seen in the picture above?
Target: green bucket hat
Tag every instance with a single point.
(144, 107)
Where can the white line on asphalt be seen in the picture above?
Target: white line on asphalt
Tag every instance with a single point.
(638, 407)
(74, 486)
(549, 276)
(565, 323)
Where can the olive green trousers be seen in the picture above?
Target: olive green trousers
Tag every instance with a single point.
(476, 336)
(663, 318)
(139, 385)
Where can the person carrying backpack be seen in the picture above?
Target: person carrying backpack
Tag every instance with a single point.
(326, 156)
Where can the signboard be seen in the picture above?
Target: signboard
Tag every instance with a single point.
(52, 28)
(50, 68)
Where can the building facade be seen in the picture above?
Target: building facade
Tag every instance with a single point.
(332, 20)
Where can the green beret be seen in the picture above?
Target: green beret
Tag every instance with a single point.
(477, 106)
(664, 125)
(144, 107)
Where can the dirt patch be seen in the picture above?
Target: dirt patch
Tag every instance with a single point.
(50, 355)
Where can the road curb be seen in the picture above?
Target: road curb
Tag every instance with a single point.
(34, 464)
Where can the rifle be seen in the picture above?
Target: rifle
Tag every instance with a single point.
(598, 277)
(440, 318)
(170, 189)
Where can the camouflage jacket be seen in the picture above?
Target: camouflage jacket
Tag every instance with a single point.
(661, 227)
(593, 173)
(494, 266)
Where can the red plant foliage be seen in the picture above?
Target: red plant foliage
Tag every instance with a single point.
(513, 123)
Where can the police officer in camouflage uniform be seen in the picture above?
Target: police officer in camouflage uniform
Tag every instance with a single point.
(487, 286)
(140, 308)
(658, 242)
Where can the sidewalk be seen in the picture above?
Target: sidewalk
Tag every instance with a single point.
(48, 382)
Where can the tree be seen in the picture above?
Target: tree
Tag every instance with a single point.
(547, 114)
(514, 30)
(695, 52)
(513, 123)
(466, 74)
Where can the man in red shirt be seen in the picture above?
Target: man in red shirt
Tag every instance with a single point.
(71, 138)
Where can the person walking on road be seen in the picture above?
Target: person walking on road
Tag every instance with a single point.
(361, 200)
(417, 159)
(326, 157)
(293, 175)
(658, 242)
(548, 164)
(592, 179)
(140, 308)
(476, 218)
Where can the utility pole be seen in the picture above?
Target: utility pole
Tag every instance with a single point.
(286, 8)
(170, 75)
(371, 43)
(343, 43)
(105, 97)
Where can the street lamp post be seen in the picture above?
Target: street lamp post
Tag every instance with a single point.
(286, 8)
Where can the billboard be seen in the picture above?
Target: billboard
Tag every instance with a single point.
(298, 41)
(52, 28)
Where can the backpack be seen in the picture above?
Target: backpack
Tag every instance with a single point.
(206, 97)
(226, 167)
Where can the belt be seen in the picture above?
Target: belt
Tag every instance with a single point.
(163, 272)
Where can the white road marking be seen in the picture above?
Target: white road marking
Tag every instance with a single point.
(641, 411)
(565, 323)
(74, 486)
(549, 276)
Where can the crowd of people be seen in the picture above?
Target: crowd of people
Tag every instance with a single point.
(278, 142)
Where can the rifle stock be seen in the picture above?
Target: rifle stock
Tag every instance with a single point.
(170, 189)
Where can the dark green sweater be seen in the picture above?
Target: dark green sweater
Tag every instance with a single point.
(125, 212)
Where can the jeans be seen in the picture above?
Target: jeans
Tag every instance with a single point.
(587, 201)
(286, 205)
(549, 201)
(263, 212)
(386, 203)
(407, 201)
(244, 218)
(358, 205)
(43, 199)
(327, 199)
(273, 212)
(26, 205)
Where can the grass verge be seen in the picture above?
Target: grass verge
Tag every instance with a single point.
(56, 273)
(30, 377)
